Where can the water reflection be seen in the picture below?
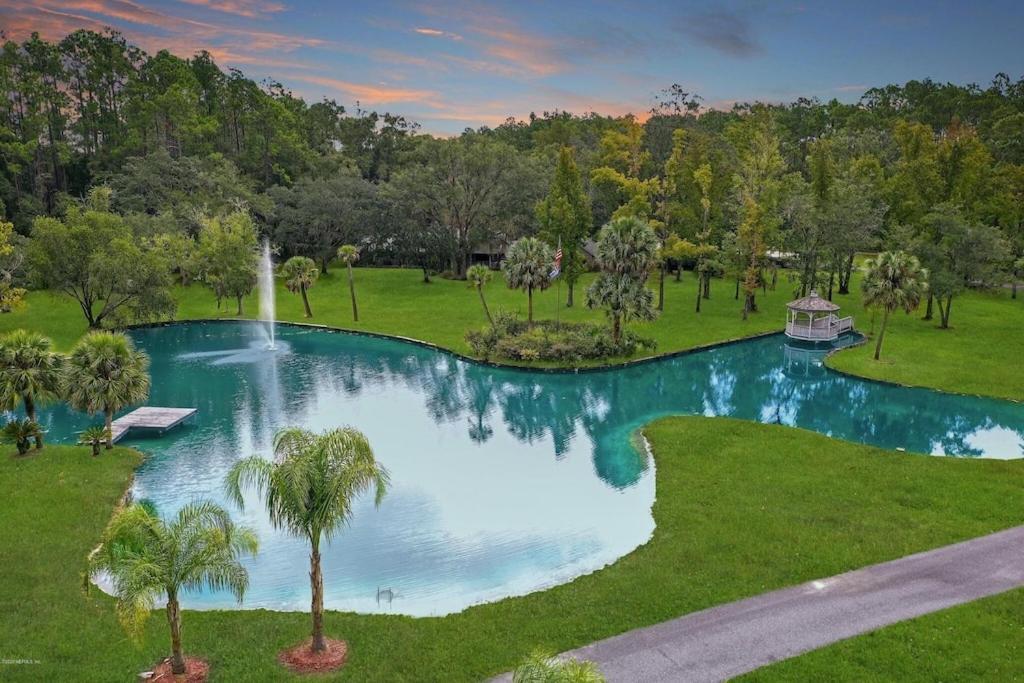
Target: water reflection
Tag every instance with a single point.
(503, 481)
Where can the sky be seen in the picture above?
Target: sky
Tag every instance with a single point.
(452, 65)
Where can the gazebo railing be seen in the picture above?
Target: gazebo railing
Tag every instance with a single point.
(822, 329)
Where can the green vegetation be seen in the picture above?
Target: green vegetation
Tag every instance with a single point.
(566, 343)
(979, 641)
(732, 522)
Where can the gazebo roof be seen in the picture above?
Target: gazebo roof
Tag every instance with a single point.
(812, 303)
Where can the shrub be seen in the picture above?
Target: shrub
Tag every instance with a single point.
(512, 339)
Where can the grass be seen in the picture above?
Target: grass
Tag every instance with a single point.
(733, 520)
(978, 354)
(929, 648)
(972, 357)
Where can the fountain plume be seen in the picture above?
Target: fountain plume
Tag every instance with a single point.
(265, 285)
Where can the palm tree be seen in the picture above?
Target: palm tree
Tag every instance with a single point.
(21, 433)
(627, 249)
(527, 266)
(95, 437)
(479, 275)
(300, 273)
(541, 667)
(348, 255)
(149, 559)
(892, 280)
(30, 373)
(309, 490)
(105, 373)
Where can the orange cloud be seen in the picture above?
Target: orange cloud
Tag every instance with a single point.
(242, 8)
(368, 93)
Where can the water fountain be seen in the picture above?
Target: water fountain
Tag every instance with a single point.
(265, 284)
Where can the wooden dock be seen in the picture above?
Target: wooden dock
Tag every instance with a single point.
(150, 418)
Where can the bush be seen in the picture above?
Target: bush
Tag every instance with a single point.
(511, 339)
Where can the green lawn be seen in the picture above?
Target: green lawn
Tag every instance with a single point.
(979, 355)
(979, 641)
(741, 508)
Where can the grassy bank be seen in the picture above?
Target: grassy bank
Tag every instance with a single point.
(733, 521)
(978, 355)
(929, 648)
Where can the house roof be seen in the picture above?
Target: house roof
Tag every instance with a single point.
(812, 303)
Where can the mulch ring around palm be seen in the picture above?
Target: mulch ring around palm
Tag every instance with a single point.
(301, 658)
(196, 671)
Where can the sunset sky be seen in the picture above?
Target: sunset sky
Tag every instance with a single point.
(450, 65)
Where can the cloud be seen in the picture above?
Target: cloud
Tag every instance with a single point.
(723, 30)
(851, 88)
(242, 8)
(368, 93)
(436, 33)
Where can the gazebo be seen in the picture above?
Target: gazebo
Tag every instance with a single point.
(814, 319)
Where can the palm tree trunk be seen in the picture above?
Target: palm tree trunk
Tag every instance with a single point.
(108, 416)
(30, 413)
(174, 620)
(700, 286)
(572, 286)
(661, 288)
(616, 329)
(529, 306)
(480, 290)
(928, 310)
(239, 314)
(881, 334)
(352, 292)
(316, 580)
(305, 301)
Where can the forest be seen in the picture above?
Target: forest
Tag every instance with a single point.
(123, 172)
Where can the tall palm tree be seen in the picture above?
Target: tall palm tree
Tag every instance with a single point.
(30, 373)
(527, 266)
(348, 255)
(300, 273)
(105, 373)
(627, 250)
(309, 490)
(479, 275)
(149, 559)
(893, 280)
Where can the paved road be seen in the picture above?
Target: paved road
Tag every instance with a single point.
(725, 641)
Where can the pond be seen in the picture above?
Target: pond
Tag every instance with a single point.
(504, 481)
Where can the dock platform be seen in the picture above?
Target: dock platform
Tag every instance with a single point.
(150, 418)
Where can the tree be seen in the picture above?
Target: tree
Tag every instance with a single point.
(893, 280)
(30, 373)
(541, 667)
(105, 373)
(309, 490)
(750, 243)
(317, 216)
(21, 433)
(564, 217)
(527, 266)
(478, 276)
(474, 189)
(92, 256)
(960, 254)
(626, 252)
(671, 253)
(94, 437)
(11, 297)
(149, 559)
(349, 254)
(229, 253)
(300, 273)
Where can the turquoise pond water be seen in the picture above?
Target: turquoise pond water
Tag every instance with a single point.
(503, 481)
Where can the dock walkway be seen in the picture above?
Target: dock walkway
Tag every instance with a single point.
(151, 418)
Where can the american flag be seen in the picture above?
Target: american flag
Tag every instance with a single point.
(558, 262)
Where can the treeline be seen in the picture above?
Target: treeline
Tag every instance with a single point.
(179, 146)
